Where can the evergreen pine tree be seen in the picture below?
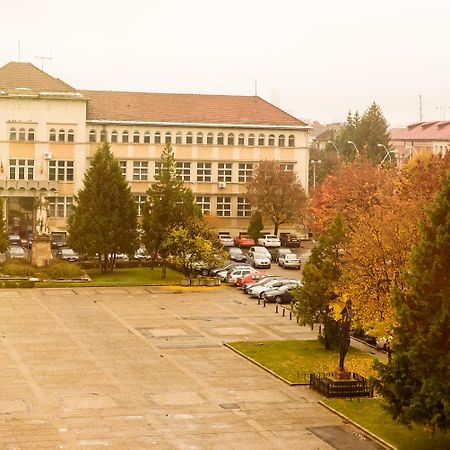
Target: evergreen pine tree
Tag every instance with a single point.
(255, 226)
(4, 236)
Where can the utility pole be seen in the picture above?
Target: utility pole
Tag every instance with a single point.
(420, 108)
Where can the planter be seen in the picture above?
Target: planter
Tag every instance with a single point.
(195, 282)
(185, 282)
(217, 281)
(357, 386)
(209, 282)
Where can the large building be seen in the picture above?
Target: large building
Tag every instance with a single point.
(49, 131)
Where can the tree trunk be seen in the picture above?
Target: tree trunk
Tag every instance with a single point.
(163, 270)
(275, 229)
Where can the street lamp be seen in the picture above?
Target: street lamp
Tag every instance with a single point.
(388, 154)
(334, 145)
(354, 145)
(314, 162)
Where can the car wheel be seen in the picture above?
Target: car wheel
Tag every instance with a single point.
(278, 299)
(204, 272)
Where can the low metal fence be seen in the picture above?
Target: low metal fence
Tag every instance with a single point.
(357, 386)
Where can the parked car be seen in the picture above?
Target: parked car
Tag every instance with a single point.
(236, 254)
(260, 249)
(234, 274)
(269, 240)
(259, 260)
(58, 240)
(250, 278)
(243, 240)
(14, 239)
(246, 288)
(279, 252)
(282, 256)
(223, 272)
(141, 254)
(289, 240)
(282, 294)
(68, 254)
(291, 261)
(15, 251)
(225, 239)
(257, 291)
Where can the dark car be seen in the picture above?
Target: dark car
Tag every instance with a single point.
(289, 240)
(236, 254)
(283, 294)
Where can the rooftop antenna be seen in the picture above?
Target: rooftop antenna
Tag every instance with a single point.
(420, 108)
(256, 87)
(42, 58)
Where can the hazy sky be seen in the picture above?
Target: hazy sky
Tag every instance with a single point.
(314, 59)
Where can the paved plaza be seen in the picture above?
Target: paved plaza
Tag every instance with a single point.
(145, 367)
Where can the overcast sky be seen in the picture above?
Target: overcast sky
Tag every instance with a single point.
(315, 59)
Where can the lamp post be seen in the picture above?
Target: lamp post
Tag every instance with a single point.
(388, 154)
(354, 145)
(314, 162)
(334, 145)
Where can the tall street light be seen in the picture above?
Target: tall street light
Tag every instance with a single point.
(334, 145)
(388, 154)
(314, 162)
(354, 145)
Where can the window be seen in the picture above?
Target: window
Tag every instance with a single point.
(220, 139)
(52, 135)
(114, 136)
(241, 139)
(199, 139)
(103, 136)
(158, 168)
(223, 206)
(261, 140)
(287, 167)
(230, 139)
(140, 202)
(12, 134)
(136, 137)
(204, 203)
(157, 137)
(140, 170)
(178, 138)
(125, 137)
(31, 134)
(224, 172)
(189, 138)
(123, 168)
(281, 140)
(21, 169)
(243, 207)
(147, 137)
(291, 141)
(70, 136)
(203, 171)
(168, 139)
(183, 171)
(60, 206)
(245, 172)
(92, 136)
(209, 138)
(251, 140)
(60, 170)
(271, 140)
(61, 135)
(21, 134)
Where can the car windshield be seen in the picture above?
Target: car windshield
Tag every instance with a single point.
(67, 252)
(291, 256)
(260, 255)
(235, 250)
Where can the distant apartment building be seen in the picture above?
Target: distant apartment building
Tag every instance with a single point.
(49, 131)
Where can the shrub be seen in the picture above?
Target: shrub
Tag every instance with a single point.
(18, 269)
(64, 269)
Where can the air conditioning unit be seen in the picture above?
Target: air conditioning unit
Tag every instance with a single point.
(222, 185)
(48, 155)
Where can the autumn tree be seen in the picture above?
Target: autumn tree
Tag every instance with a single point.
(276, 193)
(416, 381)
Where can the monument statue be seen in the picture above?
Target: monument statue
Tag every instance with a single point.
(42, 216)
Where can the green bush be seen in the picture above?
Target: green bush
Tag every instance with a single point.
(64, 269)
(18, 269)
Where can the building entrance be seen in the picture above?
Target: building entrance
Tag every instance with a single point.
(20, 214)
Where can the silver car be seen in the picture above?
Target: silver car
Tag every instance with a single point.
(291, 261)
(259, 260)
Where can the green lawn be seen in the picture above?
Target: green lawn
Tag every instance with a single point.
(295, 360)
(370, 414)
(123, 277)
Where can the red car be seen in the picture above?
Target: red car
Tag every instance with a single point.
(250, 278)
(244, 240)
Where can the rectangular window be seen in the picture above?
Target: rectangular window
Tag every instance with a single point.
(140, 201)
(60, 206)
(203, 171)
(204, 203)
(224, 172)
(140, 170)
(123, 168)
(245, 172)
(21, 169)
(223, 206)
(287, 167)
(184, 171)
(243, 207)
(60, 170)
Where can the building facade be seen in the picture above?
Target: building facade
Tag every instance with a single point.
(49, 132)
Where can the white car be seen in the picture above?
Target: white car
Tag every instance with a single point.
(225, 239)
(259, 260)
(269, 240)
(260, 249)
(291, 261)
(256, 291)
(15, 251)
(68, 254)
(236, 273)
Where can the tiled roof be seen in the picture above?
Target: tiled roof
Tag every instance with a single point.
(424, 131)
(16, 75)
(185, 108)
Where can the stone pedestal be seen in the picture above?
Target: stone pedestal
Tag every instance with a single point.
(41, 252)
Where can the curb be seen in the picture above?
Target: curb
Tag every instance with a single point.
(364, 430)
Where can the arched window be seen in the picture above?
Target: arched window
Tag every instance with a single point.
(209, 138)
(251, 140)
(199, 138)
(103, 136)
(31, 134)
(168, 138)
(178, 138)
(271, 140)
(125, 137)
(261, 140)
(21, 134)
(189, 138)
(52, 135)
(12, 134)
(281, 140)
(157, 137)
(230, 139)
(136, 137)
(147, 137)
(61, 135)
(241, 139)
(114, 136)
(291, 141)
(92, 136)
(70, 136)
(220, 139)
